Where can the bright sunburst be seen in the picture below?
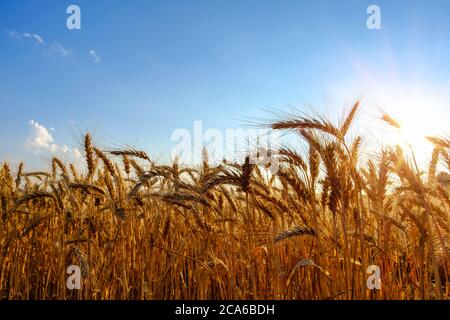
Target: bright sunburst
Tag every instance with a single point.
(414, 117)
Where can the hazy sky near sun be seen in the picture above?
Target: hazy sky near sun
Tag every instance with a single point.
(138, 70)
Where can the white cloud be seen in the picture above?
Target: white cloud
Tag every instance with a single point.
(53, 47)
(76, 153)
(95, 56)
(40, 140)
(57, 48)
(20, 35)
(39, 137)
(38, 38)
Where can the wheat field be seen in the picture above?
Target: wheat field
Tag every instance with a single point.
(143, 230)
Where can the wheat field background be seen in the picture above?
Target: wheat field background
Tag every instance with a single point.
(143, 230)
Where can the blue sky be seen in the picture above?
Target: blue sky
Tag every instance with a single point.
(164, 64)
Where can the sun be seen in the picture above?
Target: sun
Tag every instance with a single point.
(414, 119)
